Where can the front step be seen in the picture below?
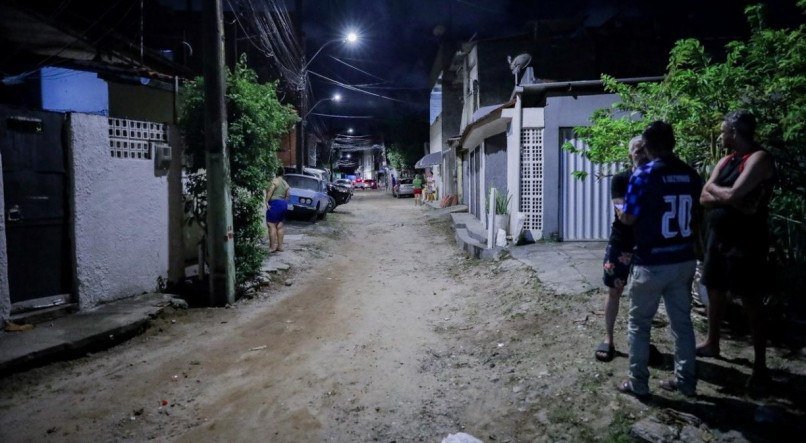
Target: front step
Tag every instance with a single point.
(43, 315)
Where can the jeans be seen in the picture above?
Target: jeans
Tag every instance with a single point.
(647, 285)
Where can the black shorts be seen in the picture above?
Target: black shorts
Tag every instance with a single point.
(616, 266)
(738, 267)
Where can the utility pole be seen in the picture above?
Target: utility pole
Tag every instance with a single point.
(220, 234)
(303, 90)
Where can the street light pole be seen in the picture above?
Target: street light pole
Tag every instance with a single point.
(302, 151)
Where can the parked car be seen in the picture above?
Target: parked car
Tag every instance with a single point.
(371, 183)
(345, 182)
(340, 194)
(403, 187)
(308, 196)
(361, 184)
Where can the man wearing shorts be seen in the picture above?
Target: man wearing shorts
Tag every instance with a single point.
(618, 255)
(662, 199)
(738, 194)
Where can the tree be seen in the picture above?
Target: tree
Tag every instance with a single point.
(766, 75)
(402, 157)
(256, 122)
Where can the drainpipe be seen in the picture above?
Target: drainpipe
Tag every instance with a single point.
(570, 86)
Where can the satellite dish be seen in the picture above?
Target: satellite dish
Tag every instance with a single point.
(519, 62)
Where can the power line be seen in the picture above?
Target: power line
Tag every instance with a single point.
(358, 69)
(353, 88)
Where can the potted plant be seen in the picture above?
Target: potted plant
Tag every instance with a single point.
(502, 200)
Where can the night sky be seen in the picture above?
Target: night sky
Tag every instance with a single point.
(400, 38)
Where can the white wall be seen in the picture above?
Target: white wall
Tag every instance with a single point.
(120, 210)
(5, 295)
(521, 118)
(436, 145)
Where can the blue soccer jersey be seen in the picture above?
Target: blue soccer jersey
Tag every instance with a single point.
(662, 196)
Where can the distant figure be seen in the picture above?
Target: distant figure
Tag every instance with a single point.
(417, 185)
(394, 183)
(276, 206)
(738, 193)
(660, 205)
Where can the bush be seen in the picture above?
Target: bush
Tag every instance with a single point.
(765, 75)
(256, 122)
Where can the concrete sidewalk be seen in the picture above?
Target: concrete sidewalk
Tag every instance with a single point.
(113, 323)
(563, 267)
(79, 333)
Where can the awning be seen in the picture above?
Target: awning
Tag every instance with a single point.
(431, 159)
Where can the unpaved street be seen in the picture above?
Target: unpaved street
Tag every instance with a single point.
(345, 354)
(387, 333)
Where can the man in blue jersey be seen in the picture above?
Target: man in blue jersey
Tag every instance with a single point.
(662, 198)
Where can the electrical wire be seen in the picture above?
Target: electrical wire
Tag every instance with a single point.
(353, 88)
(358, 69)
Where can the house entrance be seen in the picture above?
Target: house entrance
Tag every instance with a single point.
(34, 187)
(587, 211)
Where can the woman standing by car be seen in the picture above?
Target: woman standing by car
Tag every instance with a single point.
(276, 205)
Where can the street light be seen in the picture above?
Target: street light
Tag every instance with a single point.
(350, 38)
(335, 98)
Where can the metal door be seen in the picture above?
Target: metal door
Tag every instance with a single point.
(34, 178)
(587, 211)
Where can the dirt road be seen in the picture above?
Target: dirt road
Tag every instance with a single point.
(388, 333)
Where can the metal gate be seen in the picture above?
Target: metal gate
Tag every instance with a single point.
(587, 211)
(34, 184)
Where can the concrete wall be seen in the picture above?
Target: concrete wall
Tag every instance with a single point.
(521, 118)
(436, 144)
(562, 112)
(5, 295)
(139, 102)
(495, 164)
(120, 210)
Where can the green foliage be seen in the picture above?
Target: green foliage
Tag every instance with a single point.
(502, 199)
(765, 74)
(256, 122)
(403, 156)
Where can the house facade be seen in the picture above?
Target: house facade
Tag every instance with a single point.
(511, 135)
(91, 173)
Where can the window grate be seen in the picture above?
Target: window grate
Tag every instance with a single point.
(532, 178)
(129, 139)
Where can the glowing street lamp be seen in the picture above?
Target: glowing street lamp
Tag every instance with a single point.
(335, 98)
(351, 38)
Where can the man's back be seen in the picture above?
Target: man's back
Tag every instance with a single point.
(663, 195)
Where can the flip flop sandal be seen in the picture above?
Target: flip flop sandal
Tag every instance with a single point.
(605, 352)
(625, 388)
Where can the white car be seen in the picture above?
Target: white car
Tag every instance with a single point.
(344, 182)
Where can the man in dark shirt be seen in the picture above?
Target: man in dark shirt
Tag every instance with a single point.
(661, 200)
(618, 255)
(738, 194)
